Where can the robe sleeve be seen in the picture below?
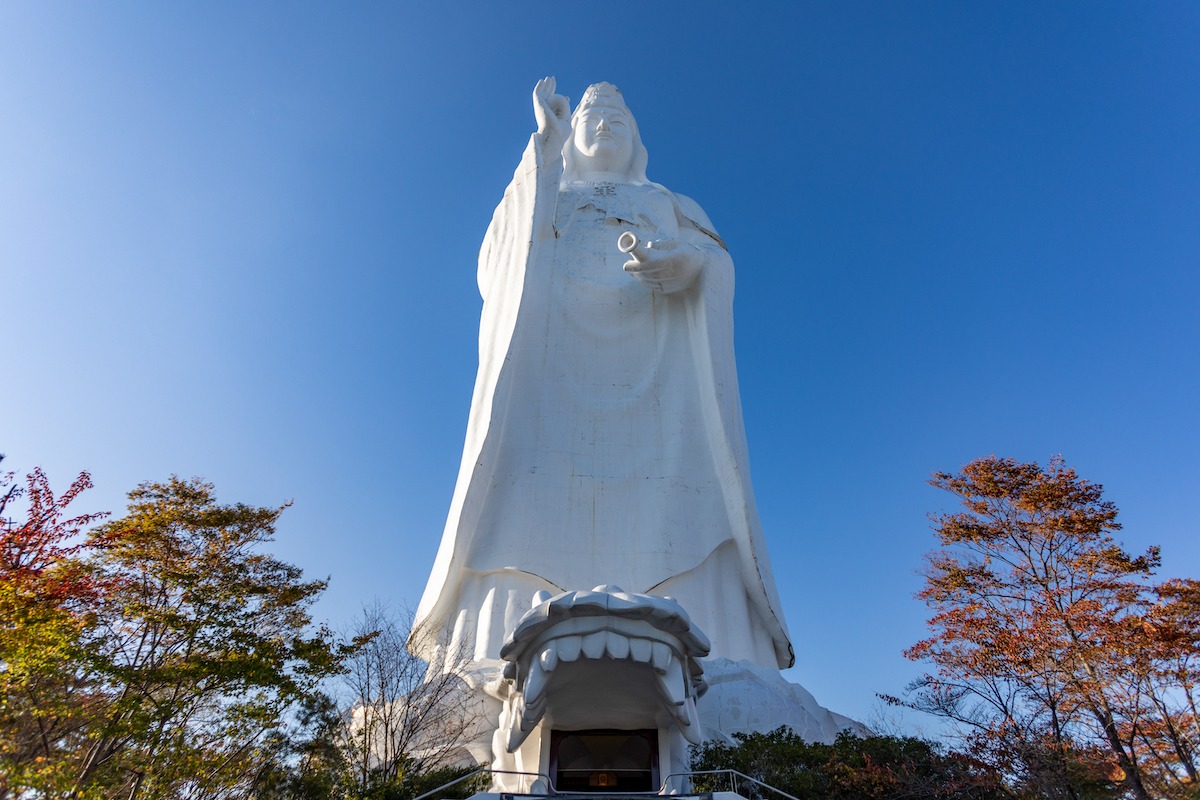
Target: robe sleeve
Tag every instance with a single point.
(523, 218)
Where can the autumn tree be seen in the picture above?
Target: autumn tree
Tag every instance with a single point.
(1167, 687)
(1051, 647)
(167, 654)
(201, 645)
(46, 600)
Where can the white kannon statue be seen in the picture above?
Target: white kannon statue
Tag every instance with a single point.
(605, 467)
(605, 442)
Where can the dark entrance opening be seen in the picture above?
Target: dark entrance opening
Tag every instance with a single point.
(604, 761)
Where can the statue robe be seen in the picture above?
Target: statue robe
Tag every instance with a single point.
(605, 442)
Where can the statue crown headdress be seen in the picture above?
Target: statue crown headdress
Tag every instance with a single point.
(602, 94)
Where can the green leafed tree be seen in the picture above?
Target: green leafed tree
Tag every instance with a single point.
(306, 761)
(851, 768)
(202, 645)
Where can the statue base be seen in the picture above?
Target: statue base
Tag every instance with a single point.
(605, 691)
(744, 697)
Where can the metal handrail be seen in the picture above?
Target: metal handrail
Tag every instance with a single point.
(732, 783)
(480, 771)
(661, 790)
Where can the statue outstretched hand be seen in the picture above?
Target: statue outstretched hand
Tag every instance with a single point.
(552, 111)
(663, 265)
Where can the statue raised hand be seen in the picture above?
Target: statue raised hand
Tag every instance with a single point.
(552, 111)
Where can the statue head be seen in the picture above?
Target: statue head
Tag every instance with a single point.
(604, 137)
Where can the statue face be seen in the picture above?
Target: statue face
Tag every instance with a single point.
(604, 138)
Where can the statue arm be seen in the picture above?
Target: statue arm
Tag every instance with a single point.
(693, 218)
(525, 214)
(552, 112)
(673, 265)
(695, 227)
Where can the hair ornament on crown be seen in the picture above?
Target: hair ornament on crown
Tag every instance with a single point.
(601, 94)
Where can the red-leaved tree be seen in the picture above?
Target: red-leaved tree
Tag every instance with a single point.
(1052, 648)
(47, 594)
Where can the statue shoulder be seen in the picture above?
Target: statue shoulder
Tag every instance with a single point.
(692, 215)
(692, 210)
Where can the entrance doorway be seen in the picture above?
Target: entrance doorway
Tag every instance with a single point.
(605, 761)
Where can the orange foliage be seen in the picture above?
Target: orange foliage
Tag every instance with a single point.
(1050, 642)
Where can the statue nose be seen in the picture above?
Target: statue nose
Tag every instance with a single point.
(603, 126)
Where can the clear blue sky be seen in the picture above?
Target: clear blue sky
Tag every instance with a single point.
(238, 240)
